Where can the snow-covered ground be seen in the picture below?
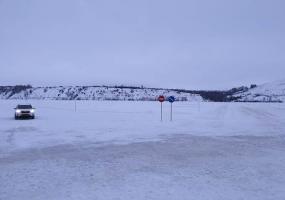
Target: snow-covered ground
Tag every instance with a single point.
(121, 150)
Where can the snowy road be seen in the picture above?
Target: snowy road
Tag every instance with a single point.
(120, 150)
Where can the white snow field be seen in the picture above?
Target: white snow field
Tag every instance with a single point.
(121, 150)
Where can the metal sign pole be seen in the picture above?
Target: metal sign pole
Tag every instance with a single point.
(161, 99)
(75, 107)
(161, 111)
(171, 99)
(171, 112)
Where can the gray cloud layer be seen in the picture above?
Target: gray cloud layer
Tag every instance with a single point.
(197, 44)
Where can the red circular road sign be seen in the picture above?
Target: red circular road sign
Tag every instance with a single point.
(161, 98)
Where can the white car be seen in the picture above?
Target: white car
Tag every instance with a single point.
(24, 111)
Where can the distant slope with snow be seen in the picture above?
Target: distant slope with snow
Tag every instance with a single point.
(93, 93)
(268, 92)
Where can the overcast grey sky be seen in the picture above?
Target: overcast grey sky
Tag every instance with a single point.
(194, 44)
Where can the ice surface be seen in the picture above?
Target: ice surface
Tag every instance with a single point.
(121, 150)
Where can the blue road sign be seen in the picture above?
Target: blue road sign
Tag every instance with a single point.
(171, 99)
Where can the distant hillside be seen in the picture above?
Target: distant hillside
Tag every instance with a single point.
(94, 93)
(269, 92)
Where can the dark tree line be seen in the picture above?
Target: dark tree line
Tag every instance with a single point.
(14, 89)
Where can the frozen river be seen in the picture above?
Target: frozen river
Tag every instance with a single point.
(121, 150)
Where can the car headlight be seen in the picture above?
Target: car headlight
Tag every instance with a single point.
(18, 111)
(32, 111)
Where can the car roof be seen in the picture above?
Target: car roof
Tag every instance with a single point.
(24, 106)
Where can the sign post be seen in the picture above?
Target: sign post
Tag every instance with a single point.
(161, 111)
(161, 99)
(171, 99)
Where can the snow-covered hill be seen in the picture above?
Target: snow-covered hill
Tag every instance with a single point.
(268, 92)
(93, 93)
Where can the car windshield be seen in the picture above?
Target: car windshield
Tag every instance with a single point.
(24, 107)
